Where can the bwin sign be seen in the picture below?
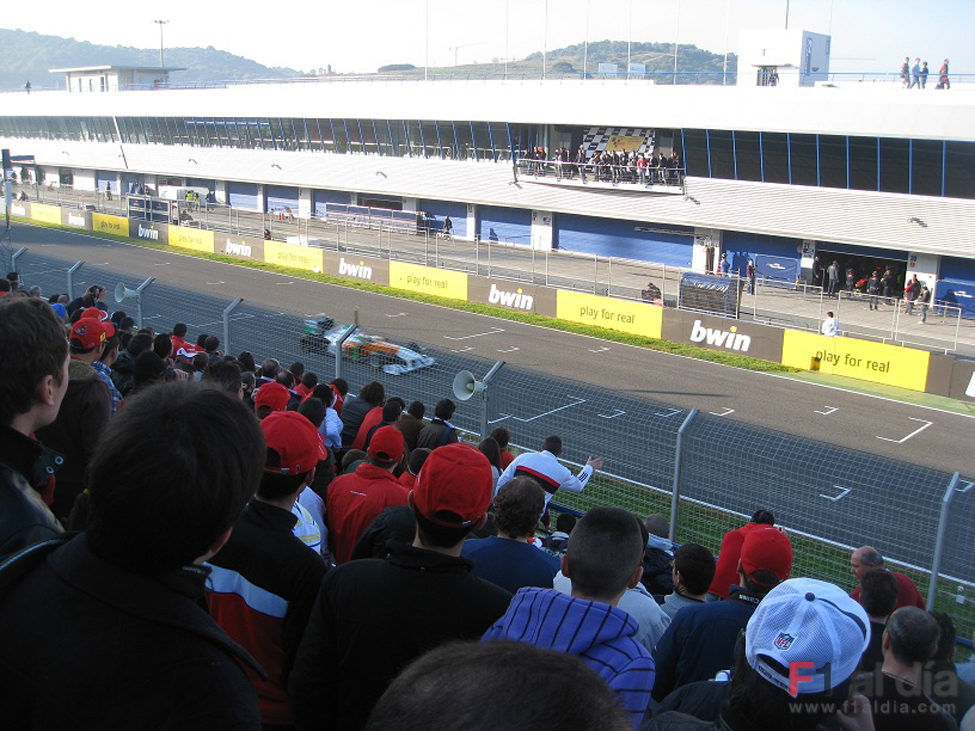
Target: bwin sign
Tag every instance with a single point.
(233, 249)
(148, 233)
(518, 300)
(359, 271)
(730, 339)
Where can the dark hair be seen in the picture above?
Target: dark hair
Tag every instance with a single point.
(341, 385)
(552, 444)
(391, 410)
(202, 339)
(286, 379)
(603, 551)
(309, 380)
(444, 409)
(763, 516)
(224, 375)
(211, 343)
(416, 459)
(913, 635)
(297, 369)
(274, 485)
(109, 345)
(162, 345)
(312, 409)
(179, 329)
(566, 522)
(501, 435)
(696, 566)
(946, 640)
(246, 360)
(33, 348)
(373, 393)
(147, 369)
(518, 506)
(270, 368)
(436, 535)
(767, 706)
(657, 524)
(490, 449)
(324, 393)
(878, 592)
(201, 361)
(4, 285)
(126, 323)
(483, 686)
(352, 455)
(417, 409)
(139, 343)
(185, 460)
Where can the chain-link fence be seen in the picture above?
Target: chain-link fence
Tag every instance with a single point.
(829, 498)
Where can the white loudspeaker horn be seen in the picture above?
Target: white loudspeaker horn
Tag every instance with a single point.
(465, 385)
(123, 293)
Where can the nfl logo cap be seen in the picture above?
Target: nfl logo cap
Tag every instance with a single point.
(810, 622)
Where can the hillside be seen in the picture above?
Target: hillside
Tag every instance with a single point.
(28, 56)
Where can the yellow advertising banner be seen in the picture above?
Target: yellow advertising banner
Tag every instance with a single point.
(191, 238)
(106, 224)
(623, 143)
(636, 318)
(427, 280)
(294, 256)
(868, 361)
(45, 213)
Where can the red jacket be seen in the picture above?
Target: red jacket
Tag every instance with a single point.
(353, 503)
(907, 593)
(726, 570)
(373, 417)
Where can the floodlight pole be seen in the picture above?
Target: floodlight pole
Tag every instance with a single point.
(161, 23)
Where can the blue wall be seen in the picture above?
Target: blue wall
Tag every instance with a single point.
(779, 255)
(956, 284)
(438, 210)
(321, 198)
(623, 239)
(104, 176)
(279, 197)
(243, 195)
(504, 224)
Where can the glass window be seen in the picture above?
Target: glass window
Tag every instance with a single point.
(695, 152)
(894, 163)
(863, 163)
(775, 156)
(960, 170)
(926, 167)
(747, 155)
(722, 160)
(803, 159)
(832, 161)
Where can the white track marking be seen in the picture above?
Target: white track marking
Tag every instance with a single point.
(913, 433)
(493, 331)
(831, 410)
(726, 412)
(844, 491)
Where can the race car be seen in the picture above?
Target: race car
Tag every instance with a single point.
(321, 334)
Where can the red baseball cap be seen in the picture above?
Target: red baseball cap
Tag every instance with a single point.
(387, 444)
(95, 313)
(767, 549)
(456, 478)
(274, 395)
(295, 439)
(89, 332)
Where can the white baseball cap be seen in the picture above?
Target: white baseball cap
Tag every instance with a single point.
(811, 623)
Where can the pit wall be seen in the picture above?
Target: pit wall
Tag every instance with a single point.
(912, 368)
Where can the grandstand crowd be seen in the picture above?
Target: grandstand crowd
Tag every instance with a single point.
(190, 539)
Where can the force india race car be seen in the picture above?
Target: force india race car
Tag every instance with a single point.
(321, 334)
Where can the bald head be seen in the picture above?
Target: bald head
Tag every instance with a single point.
(864, 559)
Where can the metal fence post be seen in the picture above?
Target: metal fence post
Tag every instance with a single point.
(678, 465)
(71, 270)
(15, 256)
(341, 342)
(939, 540)
(226, 322)
(140, 289)
(486, 395)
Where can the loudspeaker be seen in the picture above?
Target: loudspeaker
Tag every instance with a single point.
(123, 293)
(465, 386)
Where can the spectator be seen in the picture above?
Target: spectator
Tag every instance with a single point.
(726, 570)
(490, 449)
(393, 525)
(264, 580)
(14, 279)
(308, 382)
(508, 559)
(297, 369)
(658, 557)
(831, 326)
(34, 360)
(85, 411)
(211, 346)
(497, 685)
(867, 557)
(123, 369)
(331, 426)
(246, 360)
(878, 599)
(341, 389)
(413, 464)
(924, 74)
(225, 376)
(270, 368)
(556, 543)
(833, 278)
(502, 436)
(692, 574)
(410, 422)
(544, 467)
(352, 459)
(966, 670)
(943, 81)
(602, 561)
(310, 507)
(701, 639)
(900, 700)
(181, 348)
(149, 369)
(169, 479)
(800, 621)
(103, 366)
(354, 500)
(946, 687)
(269, 398)
(388, 415)
(371, 396)
(374, 616)
(439, 431)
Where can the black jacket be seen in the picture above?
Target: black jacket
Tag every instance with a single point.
(372, 618)
(657, 571)
(123, 372)
(354, 410)
(24, 518)
(436, 434)
(86, 645)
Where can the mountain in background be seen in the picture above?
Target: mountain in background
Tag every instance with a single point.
(27, 56)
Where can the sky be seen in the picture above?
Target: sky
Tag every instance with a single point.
(360, 36)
